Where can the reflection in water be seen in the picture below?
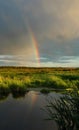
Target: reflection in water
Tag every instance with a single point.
(66, 112)
(19, 94)
(3, 97)
(33, 98)
(25, 113)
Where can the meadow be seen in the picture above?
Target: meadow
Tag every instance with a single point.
(22, 79)
(19, 80)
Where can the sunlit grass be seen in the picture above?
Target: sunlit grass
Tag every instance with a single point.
(20, 79)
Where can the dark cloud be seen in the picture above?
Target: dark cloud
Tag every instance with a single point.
(11, 22)
(12, 27)
(55, 25)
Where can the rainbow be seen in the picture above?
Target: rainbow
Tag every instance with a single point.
(33, 97)
(35, 46)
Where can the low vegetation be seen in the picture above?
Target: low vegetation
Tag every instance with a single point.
(65, 111)
(20, 79)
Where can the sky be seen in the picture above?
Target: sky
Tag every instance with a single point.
(39, 33)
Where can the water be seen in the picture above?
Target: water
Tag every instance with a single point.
(26, 113)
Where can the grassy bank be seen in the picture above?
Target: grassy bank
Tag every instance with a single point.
(20, 79)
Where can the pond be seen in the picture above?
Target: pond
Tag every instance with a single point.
(26, 113)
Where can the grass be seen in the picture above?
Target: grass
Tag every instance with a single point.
(65, 111)
(20, 79)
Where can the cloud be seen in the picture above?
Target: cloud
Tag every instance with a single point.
(53, 19)
(56, 19)
(21, 60)
(63, 17)
(13, 31)
(55, 24)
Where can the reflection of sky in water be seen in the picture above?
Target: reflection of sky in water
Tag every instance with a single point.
(25, 113)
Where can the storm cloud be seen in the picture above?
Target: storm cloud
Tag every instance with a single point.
(54, 23)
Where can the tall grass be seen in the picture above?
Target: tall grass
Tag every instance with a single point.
(20, 79)
(65, 112)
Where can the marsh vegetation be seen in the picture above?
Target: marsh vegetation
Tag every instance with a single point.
(64, 110)
(21, 79)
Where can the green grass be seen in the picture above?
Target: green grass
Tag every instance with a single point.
(20, 79)
(65, 111)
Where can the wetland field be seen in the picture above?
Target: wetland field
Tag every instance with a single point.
(22, 79)
(39, 98)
